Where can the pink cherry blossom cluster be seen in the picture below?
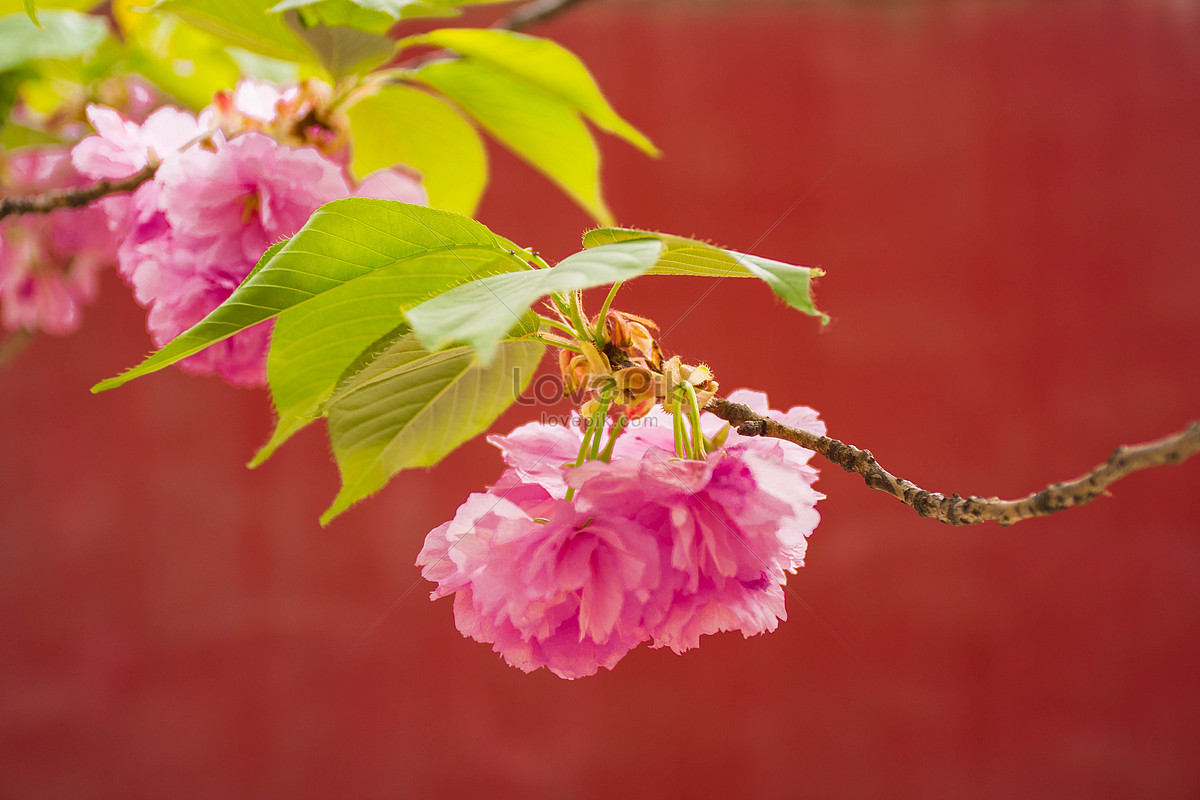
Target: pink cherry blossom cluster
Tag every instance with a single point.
(247, 172)
(219, 199)
(648, 547)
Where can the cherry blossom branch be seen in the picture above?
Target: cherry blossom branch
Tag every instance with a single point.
(535, 12)
(74, 198)
(955, 510)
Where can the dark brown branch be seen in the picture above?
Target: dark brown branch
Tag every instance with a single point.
(74, 198)
(534, 13)
(955, 510)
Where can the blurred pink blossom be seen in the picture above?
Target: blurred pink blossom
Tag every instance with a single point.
(49, 263)
(300, 115)
(652, 547)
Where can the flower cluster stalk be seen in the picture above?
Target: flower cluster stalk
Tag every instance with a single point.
(589, 448)
(598, 331)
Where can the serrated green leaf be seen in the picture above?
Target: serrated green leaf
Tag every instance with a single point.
(313, 345)
(538, 127)
(63, 34)
(410, 407)
(403, 124)
(242, 23)
(481, 312)
(343, 241)
(540, 63)
(682, 256)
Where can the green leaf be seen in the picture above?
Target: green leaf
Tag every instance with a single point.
(344, 241)
(13, 136)
(540, 63)
(242, 23)
(376, 16)
(29, 7)
(10, 84)
(63, 34)
(313, 346)
(13, 6)
(342, 51)
(410, 407)
(481, 312)
(185, 62)
(256, 65)
(537, 126)
(403, 124)
(682, 256)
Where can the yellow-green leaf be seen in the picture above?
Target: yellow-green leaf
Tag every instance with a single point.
(410, 407)
(400, 124)
(537, 126)
(540, 63)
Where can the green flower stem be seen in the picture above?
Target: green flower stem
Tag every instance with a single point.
(694, 416)
(585, 446)
(561, 303)
(567, 329)
(584, 449)
(681, 440)
(556, 341)
(567, 307)
(618, 428)
(576, 314)
(347, 92)
(598, 417)
(598, 333)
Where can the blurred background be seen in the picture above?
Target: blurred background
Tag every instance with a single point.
(1004, 196)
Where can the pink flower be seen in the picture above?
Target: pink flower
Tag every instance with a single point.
(547, 585)
(193, 233)
(120, 147)
(651, 548)
(247, 194)
(49, 263)
(299, 115)
(255, 99)
(395, 183)
(200, 227)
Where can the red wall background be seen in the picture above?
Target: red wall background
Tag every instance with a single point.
(1005, 198)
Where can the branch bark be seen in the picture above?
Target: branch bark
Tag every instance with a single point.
(74, 198)
(526, 16)
(955, 510)
(535, 12)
